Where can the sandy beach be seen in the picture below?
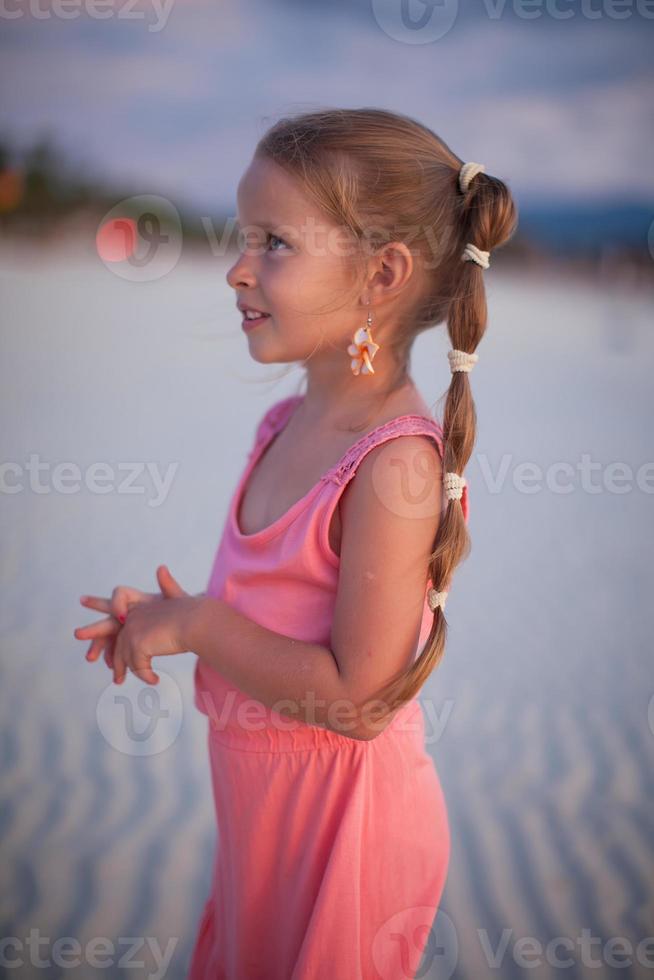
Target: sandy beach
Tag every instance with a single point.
(129, 409)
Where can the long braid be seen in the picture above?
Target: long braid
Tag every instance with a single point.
(466, 323)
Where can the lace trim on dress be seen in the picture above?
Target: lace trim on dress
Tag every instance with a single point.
(408, 424)
(405, 424)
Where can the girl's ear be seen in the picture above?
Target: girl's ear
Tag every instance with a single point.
(395, 268)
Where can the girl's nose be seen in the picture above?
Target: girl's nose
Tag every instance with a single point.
(240, 274)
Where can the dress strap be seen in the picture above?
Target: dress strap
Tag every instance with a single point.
(402, 425)
(343, 472)
(273, 420)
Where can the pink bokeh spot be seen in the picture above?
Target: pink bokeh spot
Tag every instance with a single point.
(116, 239)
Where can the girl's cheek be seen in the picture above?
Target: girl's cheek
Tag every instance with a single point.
(278, 280)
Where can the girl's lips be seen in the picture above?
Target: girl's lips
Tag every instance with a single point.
(249, 322)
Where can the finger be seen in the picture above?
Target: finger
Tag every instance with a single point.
(102, 627)
(96, 602)
(119, 667)
(95, 649)
(168, 585)
(144, 671)
(120, 657)
(105, 644)
(109, 654)
(122, 598)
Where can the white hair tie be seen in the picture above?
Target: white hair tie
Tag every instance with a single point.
(467, 172)
(460, 360)
(473, 254)
(436, 599)
(454, 485)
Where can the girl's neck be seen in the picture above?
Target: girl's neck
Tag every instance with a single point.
(350, 406)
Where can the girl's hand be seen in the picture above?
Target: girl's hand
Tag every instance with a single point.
(104, 632)
(152, 629)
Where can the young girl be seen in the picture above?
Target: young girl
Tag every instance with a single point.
(324, 611)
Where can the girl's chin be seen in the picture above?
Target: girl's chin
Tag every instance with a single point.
(269, 353)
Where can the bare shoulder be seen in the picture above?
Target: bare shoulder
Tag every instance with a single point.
(401, 478)
(406, 455)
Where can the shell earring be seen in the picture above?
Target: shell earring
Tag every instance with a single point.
(363, 349)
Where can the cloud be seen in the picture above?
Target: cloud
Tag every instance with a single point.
(553, 106)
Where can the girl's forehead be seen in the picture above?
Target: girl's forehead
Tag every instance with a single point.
(270, 194)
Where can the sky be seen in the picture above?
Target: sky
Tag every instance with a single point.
(171, 96)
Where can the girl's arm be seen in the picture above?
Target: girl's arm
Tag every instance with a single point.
(388, 530)
(292, 677)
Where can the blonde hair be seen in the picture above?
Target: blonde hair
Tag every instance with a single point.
(387, 177)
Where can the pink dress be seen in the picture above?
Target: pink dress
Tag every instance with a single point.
(332, 853)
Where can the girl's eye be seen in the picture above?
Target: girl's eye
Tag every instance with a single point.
(248, 241)
(276, 238)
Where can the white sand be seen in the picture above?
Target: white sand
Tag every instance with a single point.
(547, 757)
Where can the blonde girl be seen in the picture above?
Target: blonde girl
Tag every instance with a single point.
(324, 610)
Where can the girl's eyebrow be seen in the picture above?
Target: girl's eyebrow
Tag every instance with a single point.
(265, 223)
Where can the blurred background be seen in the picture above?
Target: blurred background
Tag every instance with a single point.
(130, 403)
